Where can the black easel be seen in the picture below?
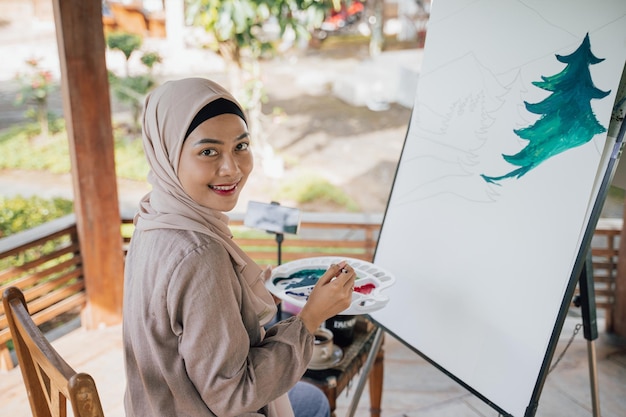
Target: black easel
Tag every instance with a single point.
(584, 263)
(586, 300)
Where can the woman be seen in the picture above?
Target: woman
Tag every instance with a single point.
(194, 302)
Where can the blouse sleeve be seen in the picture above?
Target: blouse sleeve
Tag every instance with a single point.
(233, 368)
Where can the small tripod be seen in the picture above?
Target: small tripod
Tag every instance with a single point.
(280, 237)
(278, 220)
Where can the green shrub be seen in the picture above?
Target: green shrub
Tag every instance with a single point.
(310, 188)
(22, 213)
(132, 90)
(130, 161)
(125, 42)
(37, 85)
(150, 58)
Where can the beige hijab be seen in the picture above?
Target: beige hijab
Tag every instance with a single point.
(169, 110)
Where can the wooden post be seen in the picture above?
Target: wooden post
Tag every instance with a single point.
(87, 111)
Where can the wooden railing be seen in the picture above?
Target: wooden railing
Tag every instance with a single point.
(330, 235)
(605, 252)
(352, 236)
(45, 262)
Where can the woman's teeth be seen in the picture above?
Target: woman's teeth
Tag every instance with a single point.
(223, 187)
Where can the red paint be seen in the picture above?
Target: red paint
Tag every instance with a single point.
(365, 289)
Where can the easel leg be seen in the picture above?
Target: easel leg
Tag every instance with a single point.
(376, 383)
(371, 357)
(593, 378)
(587, 303)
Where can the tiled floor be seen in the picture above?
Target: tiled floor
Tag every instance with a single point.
(415, 388)
(412, 386)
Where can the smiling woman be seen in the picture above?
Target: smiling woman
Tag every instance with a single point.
(194, 302)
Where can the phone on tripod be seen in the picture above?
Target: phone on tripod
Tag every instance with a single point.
(272, 217)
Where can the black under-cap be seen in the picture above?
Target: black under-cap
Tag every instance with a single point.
(212, 109)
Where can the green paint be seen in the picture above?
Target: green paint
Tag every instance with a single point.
(567, 119)
(302, 278)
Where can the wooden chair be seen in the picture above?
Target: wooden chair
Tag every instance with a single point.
(50, 381)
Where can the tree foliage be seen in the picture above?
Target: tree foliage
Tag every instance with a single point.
(244, 31)
(125, 42)
(236, 26)
(132, 89)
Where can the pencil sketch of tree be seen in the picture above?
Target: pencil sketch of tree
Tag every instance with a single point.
(567, 119)
(451, 164)
(509, 114)
(465, 128)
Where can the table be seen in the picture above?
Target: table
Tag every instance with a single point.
(334, 380)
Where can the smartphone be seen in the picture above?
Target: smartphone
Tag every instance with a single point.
(272, 217)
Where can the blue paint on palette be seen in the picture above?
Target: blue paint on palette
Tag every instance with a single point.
(302, 296)
(302, 278)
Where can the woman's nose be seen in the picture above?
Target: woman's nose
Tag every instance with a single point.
(228, 165)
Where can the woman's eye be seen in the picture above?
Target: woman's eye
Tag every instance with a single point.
(243, 146)
(208, 152)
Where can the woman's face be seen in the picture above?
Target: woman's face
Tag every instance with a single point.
(215, 162)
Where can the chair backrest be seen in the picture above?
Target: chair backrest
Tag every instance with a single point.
(50, 381)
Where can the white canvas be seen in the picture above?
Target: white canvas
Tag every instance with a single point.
(482, 266)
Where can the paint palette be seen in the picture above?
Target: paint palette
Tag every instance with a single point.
(293, 282)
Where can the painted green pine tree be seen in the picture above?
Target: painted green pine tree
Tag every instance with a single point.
(567, 119)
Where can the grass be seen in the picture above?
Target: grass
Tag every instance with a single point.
(307, 187)
(21, 147)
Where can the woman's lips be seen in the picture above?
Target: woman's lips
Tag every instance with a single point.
(224, 189)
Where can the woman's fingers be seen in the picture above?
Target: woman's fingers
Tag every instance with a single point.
(338, 277)
(349, 276)
(346, 277)
(331, 295)
(331, 273)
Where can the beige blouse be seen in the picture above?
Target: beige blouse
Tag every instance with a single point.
(193, 345)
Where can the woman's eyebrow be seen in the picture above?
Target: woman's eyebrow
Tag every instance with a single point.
(244, 135)
(204, 141)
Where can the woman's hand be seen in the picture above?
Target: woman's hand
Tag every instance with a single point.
(331, 295)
